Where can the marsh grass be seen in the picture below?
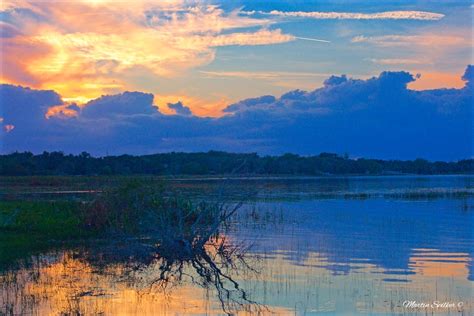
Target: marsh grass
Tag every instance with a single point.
(142, 209)
(132, 211)
(146, 229)
(52, 219)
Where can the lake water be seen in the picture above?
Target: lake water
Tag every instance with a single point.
(305, 246)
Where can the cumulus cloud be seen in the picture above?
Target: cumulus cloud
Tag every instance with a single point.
(388, 15)
(24, 107)
(469, 76)
(124, 104)
(180, 109)
(375, 117)
(249, 103)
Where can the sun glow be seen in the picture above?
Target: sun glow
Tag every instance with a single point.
(86, 49)
(199, 106)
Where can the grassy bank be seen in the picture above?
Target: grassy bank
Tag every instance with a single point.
(135, 226)
(31, 227)
(110, 204)
(129, 205)
(130, 211)
(52, 220)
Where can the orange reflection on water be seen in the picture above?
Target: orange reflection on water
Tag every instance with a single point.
(68, 285)
(72, 286)
(434, 263)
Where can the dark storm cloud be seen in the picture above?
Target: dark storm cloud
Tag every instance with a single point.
(377, 117)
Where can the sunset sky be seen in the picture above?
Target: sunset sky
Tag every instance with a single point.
(197, 58)
(210, 54)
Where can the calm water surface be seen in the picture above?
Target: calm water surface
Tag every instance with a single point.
(308, 246)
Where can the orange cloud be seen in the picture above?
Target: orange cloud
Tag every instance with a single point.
(405, 40)
(87, 48)
(63, 110)
(16, 55)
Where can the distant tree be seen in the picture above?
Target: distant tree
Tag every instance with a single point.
(216, 162)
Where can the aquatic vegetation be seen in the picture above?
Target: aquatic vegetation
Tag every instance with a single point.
(146, 231)
(179, 233)
(164, 265)
(77, 281)
(51, 219)
(357, 246)
(140, 208)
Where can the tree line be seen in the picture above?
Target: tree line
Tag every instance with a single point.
(218, 163)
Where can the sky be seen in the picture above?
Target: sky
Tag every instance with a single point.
(249, 76)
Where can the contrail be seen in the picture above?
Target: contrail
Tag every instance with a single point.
(312, 39)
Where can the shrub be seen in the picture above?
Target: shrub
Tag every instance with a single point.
(139, 208)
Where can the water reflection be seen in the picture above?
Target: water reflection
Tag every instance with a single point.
(112, 278)
(384, 232)
(308, 256)
(433, 263)
(367, 256)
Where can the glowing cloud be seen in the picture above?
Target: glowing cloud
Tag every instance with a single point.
(89, 48)
(63, 111)
(199, 106)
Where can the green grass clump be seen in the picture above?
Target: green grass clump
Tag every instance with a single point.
(52, 220)
(134, 207)
(140, 208)
(123, 208)
(135, 210)
(29, 227)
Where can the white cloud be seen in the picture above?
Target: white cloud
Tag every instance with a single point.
(427, 52)
(405, 40)
(266, 75)
(388, 15)
(88, 48)
(396, 61)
